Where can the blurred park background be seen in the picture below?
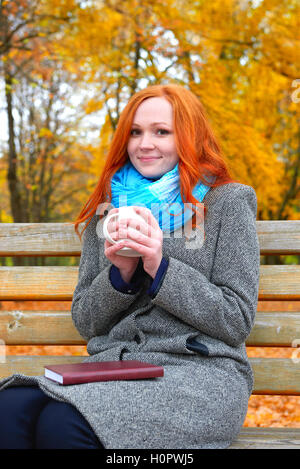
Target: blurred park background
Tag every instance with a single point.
(68, 67)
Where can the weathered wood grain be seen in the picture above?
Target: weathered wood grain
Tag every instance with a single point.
(38, 283)
(279, 376)
(38, 328)
(279, 236)
(39, 239)
(267, 438)
(277, 282)
(276, 329)
(32, 365)
(60, 239)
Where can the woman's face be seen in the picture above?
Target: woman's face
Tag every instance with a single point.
(151, 146)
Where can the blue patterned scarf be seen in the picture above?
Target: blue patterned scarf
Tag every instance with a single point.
(162, 196)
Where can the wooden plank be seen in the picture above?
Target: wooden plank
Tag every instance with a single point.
(279, 236)
(60, 239)
(276, 329)
(38, 283)
(39, 239)
(277, 282)
(38, 328)
(33, 365)
(279, 376)
(274, 376)
(267, 438)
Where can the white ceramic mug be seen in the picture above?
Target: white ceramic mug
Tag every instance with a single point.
(123, 212)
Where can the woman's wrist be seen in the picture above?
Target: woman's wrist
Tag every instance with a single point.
(127, 275)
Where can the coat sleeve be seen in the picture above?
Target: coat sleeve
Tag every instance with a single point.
(96, 304)
(223, 306)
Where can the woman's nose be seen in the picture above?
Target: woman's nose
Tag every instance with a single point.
(146, 141)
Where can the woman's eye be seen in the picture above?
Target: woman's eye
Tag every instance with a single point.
(162, 131)
(134, 132)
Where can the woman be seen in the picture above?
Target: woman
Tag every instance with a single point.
(187, 307)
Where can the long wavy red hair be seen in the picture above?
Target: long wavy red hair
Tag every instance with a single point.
(197, 147)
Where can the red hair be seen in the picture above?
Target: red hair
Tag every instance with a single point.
(198, 150)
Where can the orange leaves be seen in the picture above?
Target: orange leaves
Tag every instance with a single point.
(273, 411)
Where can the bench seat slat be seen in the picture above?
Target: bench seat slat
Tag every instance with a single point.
(277, 282)
(267, 438)
(286, 371)
(276, 329)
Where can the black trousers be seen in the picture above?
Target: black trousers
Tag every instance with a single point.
(30, 419)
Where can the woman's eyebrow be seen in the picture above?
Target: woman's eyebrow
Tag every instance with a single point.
(153, 123)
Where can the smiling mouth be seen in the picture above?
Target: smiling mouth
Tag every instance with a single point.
(149, 157)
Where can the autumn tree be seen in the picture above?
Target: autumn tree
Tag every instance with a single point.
(241, 58)
(223, 52)
(25, 29)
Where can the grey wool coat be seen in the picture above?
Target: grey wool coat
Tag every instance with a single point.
(208, 297)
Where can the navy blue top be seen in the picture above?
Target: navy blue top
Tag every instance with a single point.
(136, 281)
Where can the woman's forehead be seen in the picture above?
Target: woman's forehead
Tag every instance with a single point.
(156, 110)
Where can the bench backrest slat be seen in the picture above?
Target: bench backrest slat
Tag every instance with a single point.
(23, 327)
(277, 282)
(60, 239)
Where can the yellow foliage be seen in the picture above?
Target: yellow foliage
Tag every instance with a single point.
(240, 58)
(5, 217)
(44, 132)
(93, 105)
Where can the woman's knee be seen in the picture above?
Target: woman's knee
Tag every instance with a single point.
(61, 426)
(19, 410)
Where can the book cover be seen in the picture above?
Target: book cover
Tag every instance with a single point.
(78, 373)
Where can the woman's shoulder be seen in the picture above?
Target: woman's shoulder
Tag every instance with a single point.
(231, 192)
(230, 197)
(235, 189)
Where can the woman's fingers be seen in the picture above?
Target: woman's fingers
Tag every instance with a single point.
(112, 248)
(148, 217)
(146, 224)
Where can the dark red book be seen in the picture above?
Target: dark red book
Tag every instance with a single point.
(77, 373)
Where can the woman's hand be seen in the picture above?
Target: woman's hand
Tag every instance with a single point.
(126, 265)
(147, 240)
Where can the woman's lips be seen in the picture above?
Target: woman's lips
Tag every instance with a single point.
(149, 158)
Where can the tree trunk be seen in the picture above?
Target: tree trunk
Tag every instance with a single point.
(12, 178)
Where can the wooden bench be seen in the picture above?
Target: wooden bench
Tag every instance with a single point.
(279, 376)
